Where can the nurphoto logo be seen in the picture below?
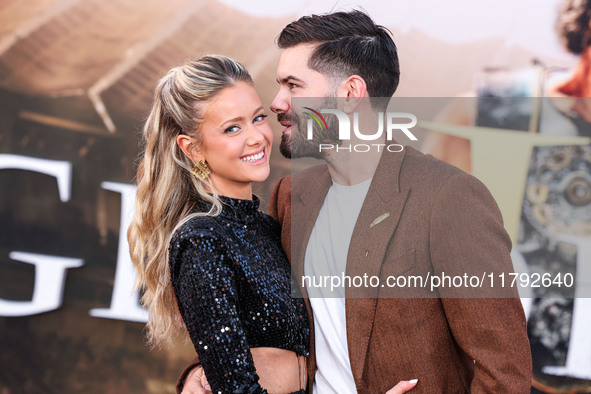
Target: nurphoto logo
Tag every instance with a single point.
(393, 121)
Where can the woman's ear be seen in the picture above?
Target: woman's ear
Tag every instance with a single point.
(189, 148)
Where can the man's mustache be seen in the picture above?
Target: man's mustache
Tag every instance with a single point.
(282, 117)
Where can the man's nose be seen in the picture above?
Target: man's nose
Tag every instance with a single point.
(280, 103)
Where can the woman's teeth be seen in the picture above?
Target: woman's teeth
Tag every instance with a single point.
(253, 157)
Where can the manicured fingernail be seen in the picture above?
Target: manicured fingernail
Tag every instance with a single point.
(413, 381)
(207, 387)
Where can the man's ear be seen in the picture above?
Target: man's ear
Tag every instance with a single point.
(354, 89)
(189, 147)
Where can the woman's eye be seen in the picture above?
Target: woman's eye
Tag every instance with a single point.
(232, 129)
(260, 118)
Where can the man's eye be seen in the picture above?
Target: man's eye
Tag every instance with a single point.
(293, 85)
(232, 129)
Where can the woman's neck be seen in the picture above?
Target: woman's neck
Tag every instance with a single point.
(241, 191)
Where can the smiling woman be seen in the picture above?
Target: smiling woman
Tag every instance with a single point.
(205, 255)
(235, 141)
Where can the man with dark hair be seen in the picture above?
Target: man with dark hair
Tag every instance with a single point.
(348, 43)
(411, 211)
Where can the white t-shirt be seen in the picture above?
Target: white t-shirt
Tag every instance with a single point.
(326, 255)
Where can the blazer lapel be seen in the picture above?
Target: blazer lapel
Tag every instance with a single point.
(373, 230)
(307, 196)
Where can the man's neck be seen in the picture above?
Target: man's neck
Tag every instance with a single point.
(350, 168)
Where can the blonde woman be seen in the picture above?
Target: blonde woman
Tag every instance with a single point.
(205, 255)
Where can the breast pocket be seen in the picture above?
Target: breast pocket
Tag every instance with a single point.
(397, 264)
(403, 276)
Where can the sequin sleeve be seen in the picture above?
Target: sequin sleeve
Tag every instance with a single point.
(206, 286)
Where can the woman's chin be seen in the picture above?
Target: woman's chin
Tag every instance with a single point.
(262, 176)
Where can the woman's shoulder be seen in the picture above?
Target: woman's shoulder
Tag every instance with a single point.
(199, 240)
(196, 231)
(198, 224)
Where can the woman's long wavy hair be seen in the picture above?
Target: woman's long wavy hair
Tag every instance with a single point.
(167, 191)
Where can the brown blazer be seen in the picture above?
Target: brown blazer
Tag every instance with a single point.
(440, 220)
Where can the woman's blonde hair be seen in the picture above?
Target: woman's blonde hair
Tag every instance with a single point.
(167, 191)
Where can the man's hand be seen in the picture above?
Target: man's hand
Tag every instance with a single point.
(402, 387)
(196, 382)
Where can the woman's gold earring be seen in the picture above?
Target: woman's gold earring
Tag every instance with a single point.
(201, 170)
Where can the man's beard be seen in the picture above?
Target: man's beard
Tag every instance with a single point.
(297, 145)
(285, 144)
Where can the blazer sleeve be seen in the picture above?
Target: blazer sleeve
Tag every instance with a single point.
(279, 200)
(206, 287)
(467, 236)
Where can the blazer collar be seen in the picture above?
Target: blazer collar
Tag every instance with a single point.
(308, 191)
(311, 189)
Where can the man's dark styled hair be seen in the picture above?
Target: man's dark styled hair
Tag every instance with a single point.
(349, 43)
(572, 25)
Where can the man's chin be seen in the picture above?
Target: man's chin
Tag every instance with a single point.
(285, 152)
(285, 146)
(298, 150)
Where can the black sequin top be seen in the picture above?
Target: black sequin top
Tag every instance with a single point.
(233, 286)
